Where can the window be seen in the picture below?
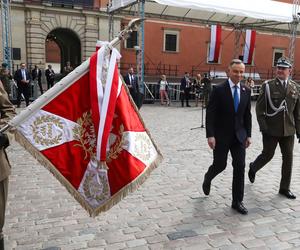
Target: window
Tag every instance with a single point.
(131, 41)
(171, 41)
(277, 53)
(16, 53)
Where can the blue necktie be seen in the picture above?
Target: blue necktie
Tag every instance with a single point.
(236, 100)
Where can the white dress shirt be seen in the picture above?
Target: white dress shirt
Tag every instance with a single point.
(231, 84)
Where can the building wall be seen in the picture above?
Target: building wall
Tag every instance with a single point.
(31, 23)
(193, 49)
(18, 31)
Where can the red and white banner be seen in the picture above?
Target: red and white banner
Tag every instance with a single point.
(215, 43)
(249, 46)
(91, 136)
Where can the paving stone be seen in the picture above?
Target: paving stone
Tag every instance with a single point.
(253, 243)
(136, 243)
(169, 211)
(181, 234)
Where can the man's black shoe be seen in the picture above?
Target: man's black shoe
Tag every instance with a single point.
(239, 207)
(188, 105)
(206, 186)
(251, 173)
(287, 193)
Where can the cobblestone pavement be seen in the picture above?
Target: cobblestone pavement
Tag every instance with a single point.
(169, 211)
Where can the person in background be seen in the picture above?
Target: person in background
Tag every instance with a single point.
(207, 88)
(278, 116)
(50, 76)
(185, 88)
(22, 77)
(67, 69)
(132, 84)
(249, 82)
(197, 88)
(5, 78)
(7, 111)
(36, 74)
(163, 88)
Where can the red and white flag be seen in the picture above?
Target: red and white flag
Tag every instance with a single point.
(91, 136)
(215, 43)
(249, 46)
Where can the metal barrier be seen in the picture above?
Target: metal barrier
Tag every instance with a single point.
(173, 91)
(34, 91)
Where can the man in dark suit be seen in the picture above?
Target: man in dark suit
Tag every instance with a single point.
(185, 88)
(50, 76)
(132, 84)
(228, 128)
(278, 116)
(22, 77)
(36, 74)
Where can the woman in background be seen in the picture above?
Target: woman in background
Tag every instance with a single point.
(163, 88)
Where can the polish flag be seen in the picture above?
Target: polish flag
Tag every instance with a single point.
(90, 135)
(249, 46)
(215, 43)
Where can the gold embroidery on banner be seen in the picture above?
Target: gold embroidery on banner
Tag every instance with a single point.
(85, 134)
(116, 148)
(96, 187)
(142, 146)
(43, 129)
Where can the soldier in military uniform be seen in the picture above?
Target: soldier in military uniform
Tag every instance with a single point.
(7, 111)
(5, 78)
(278, 115)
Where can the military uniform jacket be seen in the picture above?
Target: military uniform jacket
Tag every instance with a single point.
(286, 122)
(7, 111)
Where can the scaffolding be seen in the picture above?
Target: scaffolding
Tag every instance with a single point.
(293, 30)
(6, 32)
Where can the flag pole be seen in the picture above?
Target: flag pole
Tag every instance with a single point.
(68, 80)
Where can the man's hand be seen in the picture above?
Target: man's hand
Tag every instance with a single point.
(248, 142)
(211, 142)
(4, 142)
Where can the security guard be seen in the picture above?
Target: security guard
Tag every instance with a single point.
(7, 111)
(278, 115)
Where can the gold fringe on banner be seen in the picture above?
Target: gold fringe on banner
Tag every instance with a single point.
(130, 187)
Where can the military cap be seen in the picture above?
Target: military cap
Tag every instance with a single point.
(283, 62)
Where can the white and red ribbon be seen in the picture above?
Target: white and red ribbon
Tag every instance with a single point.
(215, 43)
(249, 46)
(103, 100)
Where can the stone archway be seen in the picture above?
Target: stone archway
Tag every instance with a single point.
(68, 44)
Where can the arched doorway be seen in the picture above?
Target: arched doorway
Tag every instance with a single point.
(62, 46)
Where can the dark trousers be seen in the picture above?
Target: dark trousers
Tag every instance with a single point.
(25, 90)
(40, 86)
(185, 96)
(238, 153)
(286, 144)
(50, 83)
(135, 96)
(3, 199)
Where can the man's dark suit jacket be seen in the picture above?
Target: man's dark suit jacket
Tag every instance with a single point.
(18, 76)
(183, 84)
(36, 75)
(222, 122)
(134, 88)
